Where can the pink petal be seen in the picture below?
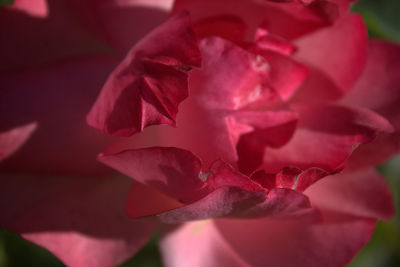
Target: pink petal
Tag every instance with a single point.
(326, 137)
(57, 97)
(379, 90)
(37, 9)
(336, 57)
(43, 32)
(333, 243)
(197, 244)
(13, 139)
(361, 193)
(147, 87)
(81, 221)
(289, 20)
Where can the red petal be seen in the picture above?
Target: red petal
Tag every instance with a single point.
(362, 193)
(37, 9)
(379, 90)
(289, 177)
(147, 87)
(172, 171)
(13, 139)
(81, 221)
(227, 99)
(289, 20)
(221, 191)
(336, 57)
(326, 138)
(332, 243)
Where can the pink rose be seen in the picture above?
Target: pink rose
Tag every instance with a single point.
(264, 99)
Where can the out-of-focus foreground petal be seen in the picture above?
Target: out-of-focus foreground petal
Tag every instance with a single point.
(12, 140)
(379, 89)
(197, 244)
(257, 243)
(359, 193)
(81, 221)
(57, 97)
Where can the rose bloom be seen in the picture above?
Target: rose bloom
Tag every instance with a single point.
(250, 129)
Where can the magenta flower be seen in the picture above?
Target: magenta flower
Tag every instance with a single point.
(250, 130)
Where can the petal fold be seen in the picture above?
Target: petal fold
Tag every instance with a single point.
(147, 87)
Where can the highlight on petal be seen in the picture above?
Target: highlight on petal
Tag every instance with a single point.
(13, 139)
(197, 244)
(359, 193)
(38, 8)
(173, 171)
(147, 87)
(81, 221)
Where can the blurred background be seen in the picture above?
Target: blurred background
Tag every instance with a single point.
(383, 20)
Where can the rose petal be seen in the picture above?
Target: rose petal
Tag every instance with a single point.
(13, 139)
(227, 99)
(333, 69)
(326, 137)
(379, 90)
(361, 193)
(57, 97)
(37, 9)
(229, 28)
(81, 221)
(197, 244)
(333, 243)
(173, 171)
(288, 20)
(147, 87)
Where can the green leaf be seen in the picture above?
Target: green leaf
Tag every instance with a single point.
(381, 17)
(6, 2)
